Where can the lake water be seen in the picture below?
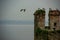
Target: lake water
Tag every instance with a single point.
(17, 32)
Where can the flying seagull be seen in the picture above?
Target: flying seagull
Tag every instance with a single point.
(22, 10)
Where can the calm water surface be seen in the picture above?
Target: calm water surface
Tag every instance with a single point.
(17, 32)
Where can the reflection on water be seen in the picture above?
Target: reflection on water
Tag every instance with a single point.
(17, 32)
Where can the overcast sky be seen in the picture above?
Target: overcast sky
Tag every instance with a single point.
(11, 8)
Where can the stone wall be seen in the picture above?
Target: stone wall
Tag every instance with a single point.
(54, 19)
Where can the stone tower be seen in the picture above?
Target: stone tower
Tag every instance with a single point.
(39, 20)
(54, 19)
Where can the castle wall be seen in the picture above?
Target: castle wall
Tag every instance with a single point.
(41, 22)
(59, 22)
(54, 20)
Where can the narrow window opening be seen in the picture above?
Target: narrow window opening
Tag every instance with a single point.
(55, 24)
